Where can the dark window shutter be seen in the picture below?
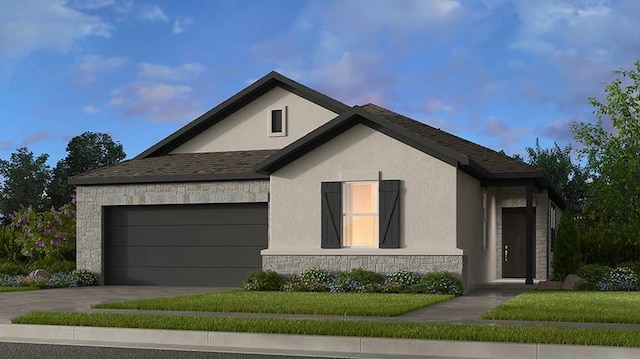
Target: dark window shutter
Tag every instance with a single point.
(331, 214)
(389, 203)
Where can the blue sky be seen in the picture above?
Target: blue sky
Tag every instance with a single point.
(500, 73)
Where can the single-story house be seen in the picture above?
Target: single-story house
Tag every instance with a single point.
(285, 178)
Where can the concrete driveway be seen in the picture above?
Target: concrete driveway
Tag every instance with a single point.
(13, 304)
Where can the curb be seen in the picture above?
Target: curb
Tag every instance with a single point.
(258, 343)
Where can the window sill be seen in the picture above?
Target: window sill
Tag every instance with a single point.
(366, 252)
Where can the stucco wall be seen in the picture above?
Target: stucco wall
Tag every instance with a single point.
(427, 196)
(469, 227)
(91, 199)
(248, 128)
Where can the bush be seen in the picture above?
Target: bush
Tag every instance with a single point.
(263, 280)
(46, 234)
(621, 278)
(403, 278)
(8, 280)
(31, 281)
(13, 268)
(84, 277)
(592, 272)
(52, 265)
(295, 285)
(442, 283)
(635, 267)
(316, 275)
(9, 249)
(566, 254)
(349, 281)
(588, 286)
(62, 280)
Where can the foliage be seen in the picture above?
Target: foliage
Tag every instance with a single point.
(566, 254)
(49, 234)
(8, 280)
(316, 275)
(62, 280)
(84, 277)
(52, 265)
(442, 283)
(31, 280)
(621, 278)
(9, 249)
(353, 279)
(588, 286)
(297, 285)
(263, 280)
(569, 178)
(85, 152)
(25, 180)
(403, 278)
(612, 149)
(592, 272)
(8, 267)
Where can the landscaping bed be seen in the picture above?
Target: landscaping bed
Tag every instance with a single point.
(358, 304)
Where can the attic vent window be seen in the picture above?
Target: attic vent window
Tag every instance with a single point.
(278, 122)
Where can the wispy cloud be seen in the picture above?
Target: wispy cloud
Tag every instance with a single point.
(178, 73)
(505, 134)
(92, 4)
(92, 65)
(157, 101)
(5, 145)
(36, 137)
(90, 109)
(181, 23)
(153, 13)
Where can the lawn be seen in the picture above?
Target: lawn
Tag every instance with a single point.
(360, 304)
(564, 306)
(546, 335)
(15, 289)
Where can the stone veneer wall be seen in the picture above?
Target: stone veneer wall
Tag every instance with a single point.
(91, 199)
(384, 264)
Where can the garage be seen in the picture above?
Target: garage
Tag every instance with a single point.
(183, 245)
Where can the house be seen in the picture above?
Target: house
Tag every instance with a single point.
(282, 177)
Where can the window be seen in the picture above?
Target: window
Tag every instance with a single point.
(360, 214)
(278, 122)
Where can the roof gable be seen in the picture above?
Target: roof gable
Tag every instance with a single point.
(236, 102)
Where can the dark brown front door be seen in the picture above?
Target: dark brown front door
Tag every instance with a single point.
(514, 251)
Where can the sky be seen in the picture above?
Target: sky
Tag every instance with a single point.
(500, 73)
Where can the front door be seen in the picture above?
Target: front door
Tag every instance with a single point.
(514, 251)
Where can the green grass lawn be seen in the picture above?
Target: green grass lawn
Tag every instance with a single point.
(365, 304)
(565, 306)
(547, 335)
(15, 289)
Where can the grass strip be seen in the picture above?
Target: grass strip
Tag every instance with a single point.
(565, 306)
(545, 335)
(15, 289)
(359, 304)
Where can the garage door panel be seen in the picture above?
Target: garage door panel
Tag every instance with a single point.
(187, 215)
(206, 277)
(214, 257)
(198, 235)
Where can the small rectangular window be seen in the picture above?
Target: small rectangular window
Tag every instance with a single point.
(278, 122)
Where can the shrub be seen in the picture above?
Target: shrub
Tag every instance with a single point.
(84, 277)
(349, 281)
(316, 275)
(621, 278)
(592, 272)
(31, 281)
(263, 280)
(442, 283)
(8, 280)
(635, 267)
(403, 278)
(295, 285)
(52, 265)
(62, 280)
(588, 286)
(9, 249)
(13, 268)
(566, 254)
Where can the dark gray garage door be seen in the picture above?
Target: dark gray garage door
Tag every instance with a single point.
(186, 245)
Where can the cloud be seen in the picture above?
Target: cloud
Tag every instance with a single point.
(92, 4)
(506, 134)
(180, 24)
(92, 65)
(5, 145)
(27, 26)
(160, 102)
(178, 73)
(435, 105)
(558, 130)
(36, 137)
(90, 109)
(153, 13)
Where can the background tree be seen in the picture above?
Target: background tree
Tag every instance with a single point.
(26, 178)
(85, 152)
(612, 149)
(569, 178)
(566, 254)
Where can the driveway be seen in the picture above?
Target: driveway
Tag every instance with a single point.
(13, 304)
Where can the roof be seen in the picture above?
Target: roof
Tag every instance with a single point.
(183, 167)
(236, 102)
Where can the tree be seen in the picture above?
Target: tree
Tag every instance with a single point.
(569, 178)
(612, 149)
(85, 152)
(25, 180)
(566, 254)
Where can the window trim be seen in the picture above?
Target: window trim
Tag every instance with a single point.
(284, 111)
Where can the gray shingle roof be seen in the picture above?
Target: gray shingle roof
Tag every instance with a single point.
(231, 165)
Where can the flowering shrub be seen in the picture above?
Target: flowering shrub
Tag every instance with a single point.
(62, 280)
(31, 280)
(296, 285)
(621, 278)
(263, 280)
(349, 281)
(8, 280)
(46, 234)
(403, 278)
(441, 283)
(85, 278)
(315, 275)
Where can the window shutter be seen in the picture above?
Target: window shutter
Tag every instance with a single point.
(389, 214)
(331, 214)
